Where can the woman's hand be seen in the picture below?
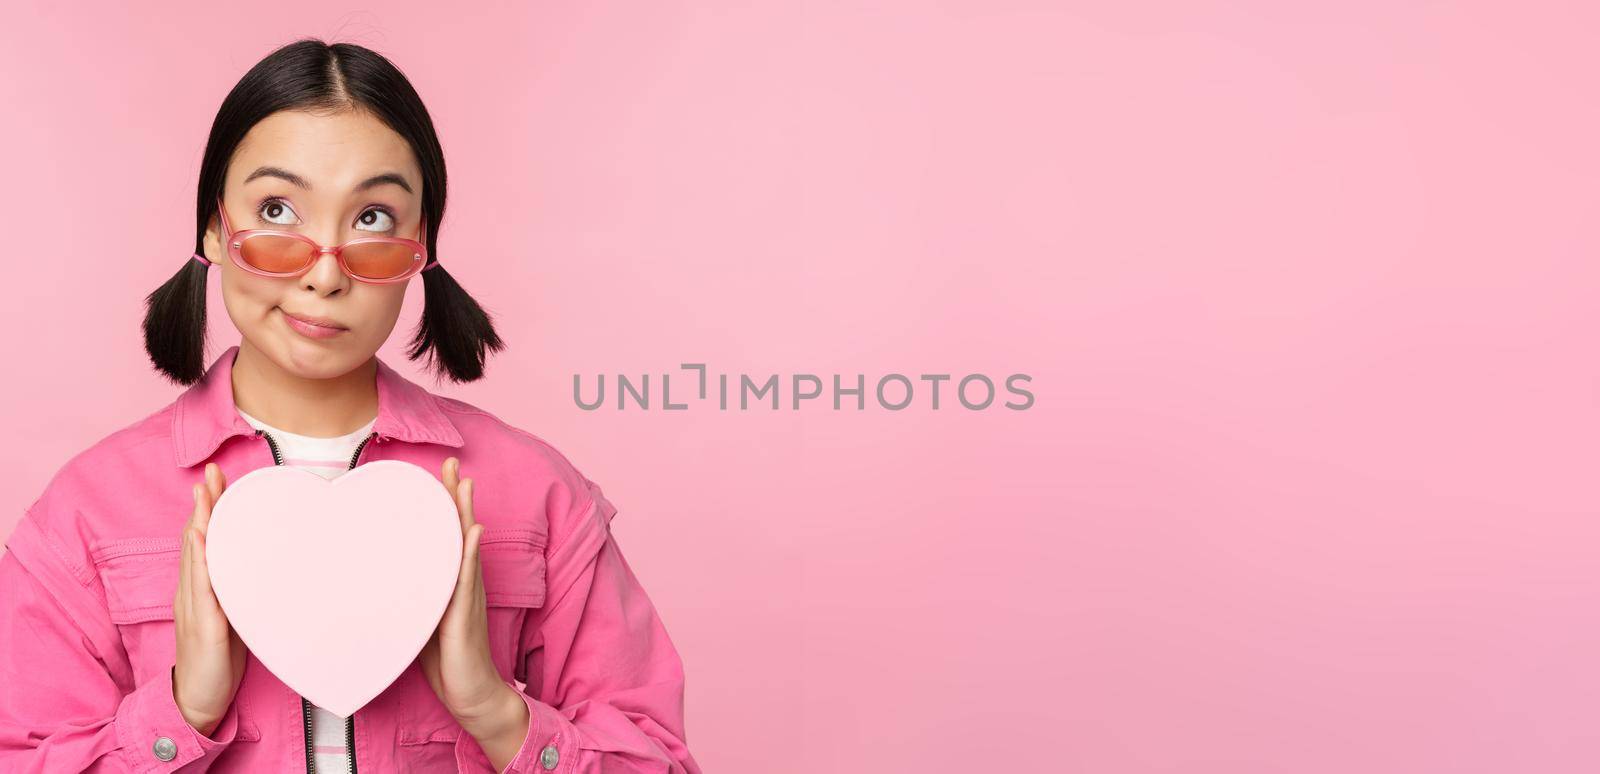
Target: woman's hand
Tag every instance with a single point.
(457, 661)
(210, 655)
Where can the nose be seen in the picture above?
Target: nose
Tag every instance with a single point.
(324, 276)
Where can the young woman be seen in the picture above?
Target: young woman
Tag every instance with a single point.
(319, 195)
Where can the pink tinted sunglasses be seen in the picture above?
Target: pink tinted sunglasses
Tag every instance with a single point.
(276, 253)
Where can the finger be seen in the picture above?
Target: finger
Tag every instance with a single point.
(479, 603)
(464, 503)
(194, 514)
(200, 591)
(215, 480)
(202, 511)
(459, 610)
(188, 527)
(181, 597)
(450, 472)
(467, 579)
(216, 483)
(457, 486)
(192, 541)
(479, 593)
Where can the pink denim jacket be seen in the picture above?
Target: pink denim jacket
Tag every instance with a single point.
(89, 575)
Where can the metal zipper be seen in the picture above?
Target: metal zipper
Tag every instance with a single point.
(311, 757)
(305, 705)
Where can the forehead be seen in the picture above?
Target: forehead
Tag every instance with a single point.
(332, 151)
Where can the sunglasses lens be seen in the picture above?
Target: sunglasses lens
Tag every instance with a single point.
(276, 254)
(380, 260)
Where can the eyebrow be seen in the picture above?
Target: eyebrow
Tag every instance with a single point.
(300, 182)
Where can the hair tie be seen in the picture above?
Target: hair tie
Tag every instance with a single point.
(430, 265)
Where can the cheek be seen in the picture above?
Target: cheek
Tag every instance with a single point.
(376, 310)
(248, 302)
(387, 305)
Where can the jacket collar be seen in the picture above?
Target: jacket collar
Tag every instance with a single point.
(205, 415)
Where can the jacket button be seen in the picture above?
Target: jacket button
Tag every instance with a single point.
(165, 749)
(548, 757)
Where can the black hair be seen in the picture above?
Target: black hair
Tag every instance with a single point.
(310, 74)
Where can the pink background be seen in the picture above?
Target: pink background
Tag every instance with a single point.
(1308, 297)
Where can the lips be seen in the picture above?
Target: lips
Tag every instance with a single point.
(322, 322)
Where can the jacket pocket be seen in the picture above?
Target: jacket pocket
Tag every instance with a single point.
(140, 579)
(514, 583)
(140, 576)
(424, 749)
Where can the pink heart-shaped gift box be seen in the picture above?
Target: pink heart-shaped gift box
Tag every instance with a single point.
(335, 585)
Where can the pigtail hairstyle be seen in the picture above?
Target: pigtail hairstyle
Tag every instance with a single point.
(175, 324)
(454, 329)
(455, 332)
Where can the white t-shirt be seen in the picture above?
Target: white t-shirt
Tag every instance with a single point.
(329, 458)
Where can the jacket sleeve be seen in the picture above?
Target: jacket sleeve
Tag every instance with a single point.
(67, 697)
(604, 683)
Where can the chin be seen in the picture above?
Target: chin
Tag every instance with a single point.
(317, 360)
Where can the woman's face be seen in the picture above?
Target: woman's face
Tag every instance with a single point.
(304, 172)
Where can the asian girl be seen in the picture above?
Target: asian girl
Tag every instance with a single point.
(318, 200)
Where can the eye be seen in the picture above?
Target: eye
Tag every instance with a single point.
(376, 215)
(272, 208)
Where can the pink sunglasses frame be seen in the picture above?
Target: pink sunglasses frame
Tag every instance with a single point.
(234, 241)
